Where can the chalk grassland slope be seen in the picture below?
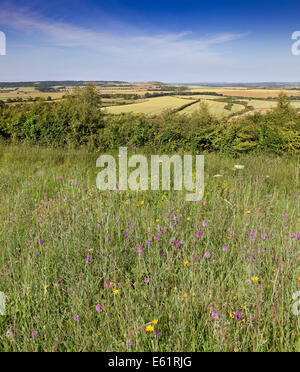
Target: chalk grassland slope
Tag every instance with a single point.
(218, 275)
(151, 106)
(215, 108)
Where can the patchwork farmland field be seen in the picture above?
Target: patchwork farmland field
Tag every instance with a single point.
(157, 105)
(217, 109)
(246, 92)
(151, 106)
(260, 104)
(154, 106)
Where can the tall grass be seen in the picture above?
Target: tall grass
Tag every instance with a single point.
(63, 242)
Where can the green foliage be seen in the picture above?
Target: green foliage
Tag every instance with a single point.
(78, 120)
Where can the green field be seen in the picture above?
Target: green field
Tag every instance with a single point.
(217, 275)
(151, 106)
(157, 105)
(215, 108)
(154, 106)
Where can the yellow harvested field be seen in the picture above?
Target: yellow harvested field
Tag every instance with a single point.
(259, 104)
(151, 106)
(245, 92)
(215, 108)
(27, 92)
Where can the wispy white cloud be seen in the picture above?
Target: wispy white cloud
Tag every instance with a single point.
(118, 53)
(68, 35)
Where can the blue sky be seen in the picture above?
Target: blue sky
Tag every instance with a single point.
(170, 41)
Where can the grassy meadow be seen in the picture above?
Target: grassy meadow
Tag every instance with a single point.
(85, 270)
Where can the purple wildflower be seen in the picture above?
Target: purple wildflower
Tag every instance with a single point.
(98, 308)
(238, 316)
(215, 314)
(89, 259)
(108, 284)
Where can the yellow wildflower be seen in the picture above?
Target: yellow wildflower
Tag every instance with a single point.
(149, 328)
